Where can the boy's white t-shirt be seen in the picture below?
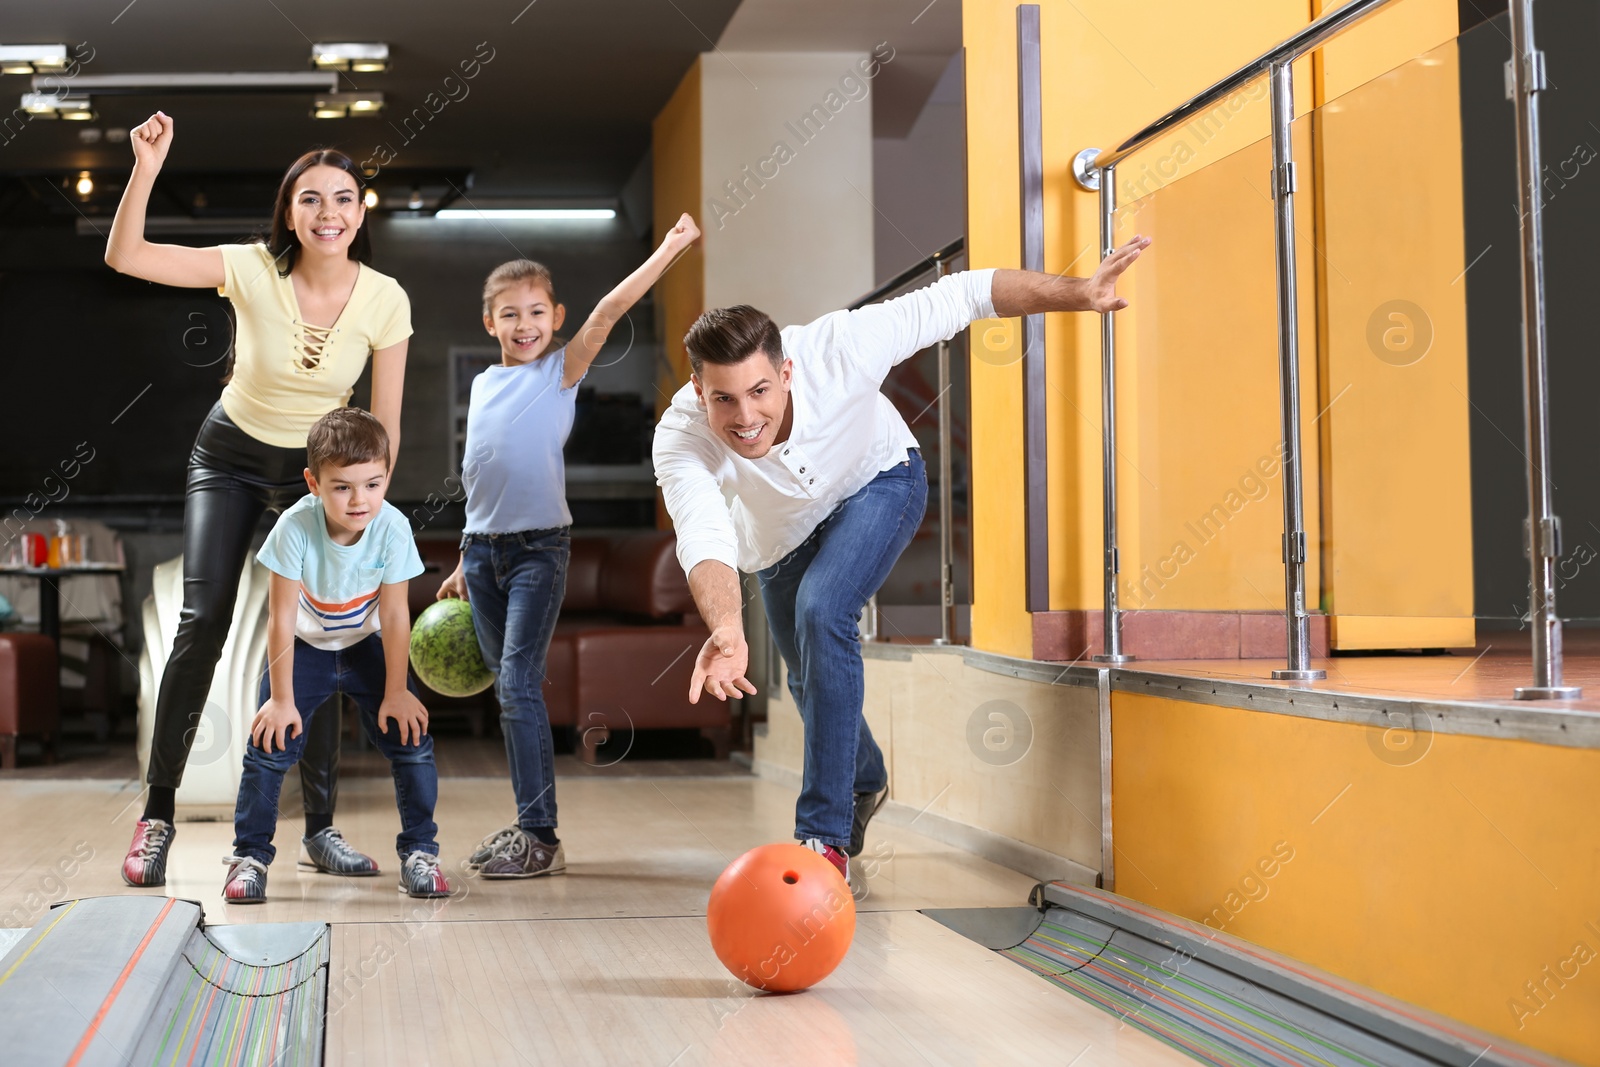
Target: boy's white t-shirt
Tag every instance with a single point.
(339, 583)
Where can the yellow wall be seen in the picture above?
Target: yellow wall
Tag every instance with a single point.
(1444, 872)
(1197, 369)
(675, 160)
(1008, 756)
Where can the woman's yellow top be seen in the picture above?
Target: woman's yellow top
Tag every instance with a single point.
(288, 373)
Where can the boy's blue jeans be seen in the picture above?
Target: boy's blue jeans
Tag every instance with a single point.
(814, 597)
(358, 673)
(515, 583)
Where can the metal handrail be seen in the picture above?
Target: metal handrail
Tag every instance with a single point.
(1312, 37)
(938, 263)
(1093, 169)
(911, 274)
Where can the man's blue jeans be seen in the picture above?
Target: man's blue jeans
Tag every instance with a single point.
(319, 673)
(814, 597)
(515, 583)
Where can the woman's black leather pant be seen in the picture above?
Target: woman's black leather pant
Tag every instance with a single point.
(233, 479)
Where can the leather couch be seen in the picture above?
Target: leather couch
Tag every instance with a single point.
(28, 693)
(624, 644)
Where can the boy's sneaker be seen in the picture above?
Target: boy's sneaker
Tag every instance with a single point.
(327, 851)
(247, 880)
(146, 863)
(490, 845)
(420, 876)
(524, 856)
(832, 854)
(867, 805)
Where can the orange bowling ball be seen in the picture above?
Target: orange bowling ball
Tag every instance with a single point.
(781, 918)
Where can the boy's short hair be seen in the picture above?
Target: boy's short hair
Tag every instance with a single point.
(517, 270)
(729, 336)
(344, 437)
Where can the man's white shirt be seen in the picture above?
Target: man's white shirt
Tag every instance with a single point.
(750, 513)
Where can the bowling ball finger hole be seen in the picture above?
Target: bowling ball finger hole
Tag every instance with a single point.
(790, 878)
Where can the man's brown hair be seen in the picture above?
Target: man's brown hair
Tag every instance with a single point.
(344, 437)
(728, 336)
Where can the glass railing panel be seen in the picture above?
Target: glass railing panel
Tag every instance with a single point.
(1200, 471)
(1419, 298)
(909, 601)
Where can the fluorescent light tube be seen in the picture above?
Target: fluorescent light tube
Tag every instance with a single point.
(524, 213)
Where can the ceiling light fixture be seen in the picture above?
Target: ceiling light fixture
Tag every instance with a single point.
(262, 81)
(33, 58)
(370, 198)
(346, 105)
(85, 184)
(51, 106)
(525, 214)
(362, 58)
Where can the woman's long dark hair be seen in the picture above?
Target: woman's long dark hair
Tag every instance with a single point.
(282, 242)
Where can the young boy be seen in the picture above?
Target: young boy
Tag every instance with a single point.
(338, 622)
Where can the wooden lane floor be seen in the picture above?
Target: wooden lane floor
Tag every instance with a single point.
(609, 963)
(650, 991)
(635, 847)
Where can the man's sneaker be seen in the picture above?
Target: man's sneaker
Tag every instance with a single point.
(420, 876)
(524, 856)
(146, 864)
(490, 845)
(327, 851)
(867, 805)
(832, 854)
(247, 880)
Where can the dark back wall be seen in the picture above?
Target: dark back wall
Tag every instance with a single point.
(95, 360)
(1570, 142)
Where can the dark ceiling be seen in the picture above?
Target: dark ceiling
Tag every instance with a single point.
(562, 108)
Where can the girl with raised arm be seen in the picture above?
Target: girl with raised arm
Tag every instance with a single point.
(517, 541)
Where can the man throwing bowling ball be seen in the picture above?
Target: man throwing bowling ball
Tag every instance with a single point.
(782, 458)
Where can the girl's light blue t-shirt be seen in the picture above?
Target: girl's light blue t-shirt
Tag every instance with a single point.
(517, 422)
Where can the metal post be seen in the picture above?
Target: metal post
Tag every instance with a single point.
(1294, 532)
(1112, 616)
(947, 585)
(1544, 528)
(1035, 412)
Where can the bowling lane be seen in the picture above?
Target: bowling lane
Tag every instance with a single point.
(650, 991)
(609, 963)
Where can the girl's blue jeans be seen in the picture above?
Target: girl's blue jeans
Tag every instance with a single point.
(515, 583)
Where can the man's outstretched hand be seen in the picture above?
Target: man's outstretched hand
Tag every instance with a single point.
(720, 667)
(1029, 292)
(1101, 288)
